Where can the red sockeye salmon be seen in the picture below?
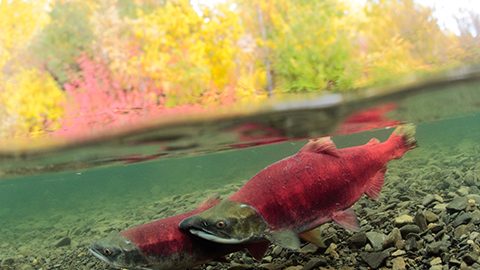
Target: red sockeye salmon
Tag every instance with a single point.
(297, 194)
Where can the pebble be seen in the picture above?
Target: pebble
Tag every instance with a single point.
(436, 248)
(398, 264)
(461, 219)
(436, 261)
(403, 219)
(374, 259)
(309, 248)
(470, 258)
(430, 216)
(457, 204)
(420, 221)
(376, 239)
(429, 198)
(65, 241)
(398, 252)
(409, 228)
(296, 267)
(314, 263)
(357, 240)
(393, 238)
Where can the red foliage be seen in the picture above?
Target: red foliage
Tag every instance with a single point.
(97, 100)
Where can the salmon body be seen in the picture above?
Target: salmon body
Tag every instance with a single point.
(319, 182)
(297, 194)
(161, 245)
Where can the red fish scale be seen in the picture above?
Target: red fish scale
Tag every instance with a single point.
(304, 190)
(162, 236)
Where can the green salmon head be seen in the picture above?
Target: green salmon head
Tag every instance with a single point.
(119, 252)
(227, 223)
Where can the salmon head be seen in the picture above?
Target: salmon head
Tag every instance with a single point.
(119, 252)
(227, 223)
(236, 223)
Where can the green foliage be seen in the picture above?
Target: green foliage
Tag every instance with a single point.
(310, 50)
(66, 36)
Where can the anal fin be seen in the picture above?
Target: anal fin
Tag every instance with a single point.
(347, 219)
(314, 236)
(375, 185)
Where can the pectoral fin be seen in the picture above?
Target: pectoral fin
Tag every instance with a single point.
(314, 236)
(347, 219)
(258, 250)
(285, 238)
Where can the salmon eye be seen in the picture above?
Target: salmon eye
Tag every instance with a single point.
(221, 224)
(107, 252)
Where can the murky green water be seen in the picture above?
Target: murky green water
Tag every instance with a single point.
(38, 210)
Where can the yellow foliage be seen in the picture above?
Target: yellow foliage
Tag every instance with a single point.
(19, 21)
(34, 99)
(188, 53)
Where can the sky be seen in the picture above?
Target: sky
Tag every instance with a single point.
(444, 10)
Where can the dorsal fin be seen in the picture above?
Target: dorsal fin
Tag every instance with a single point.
(373, 141)
(323, 145)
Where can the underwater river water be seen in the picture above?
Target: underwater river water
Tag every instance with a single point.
(427, 217)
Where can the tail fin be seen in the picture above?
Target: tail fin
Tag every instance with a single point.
(403, 137)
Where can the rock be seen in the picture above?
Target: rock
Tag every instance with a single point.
(463, 190)
(374, 259)
(411, 244)
(470, 258)
(358, 240)
(436, 261)
(332, 251)
(65, 241)
(475, 217)
(474, 235)
(409, 228)
(309, 248)
(267, 259)
(296, 267)
(239, 267)
(398, 253)
(393, 238)
(403, 219)
(430, 198)
(462, 230)
(8, 261)
(461, 219)
(398, 264)
(277, 250)
(440, 206)
(376, 239)
(314, 263)
(420, 221)
(457, 204)
(474, 197)
(436, 248)
(430, 216)
(434, 227)
(26, 267)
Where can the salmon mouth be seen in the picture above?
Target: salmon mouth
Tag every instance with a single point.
(95, 251)
(207, 235)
